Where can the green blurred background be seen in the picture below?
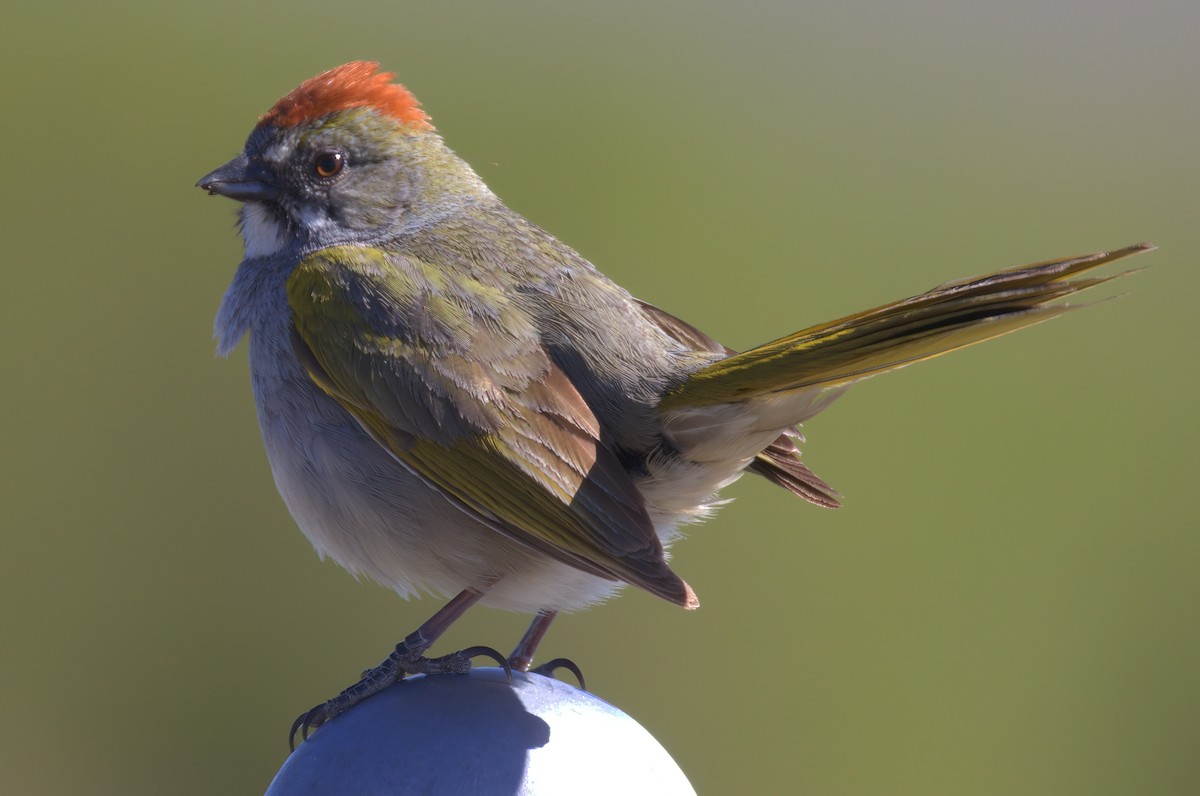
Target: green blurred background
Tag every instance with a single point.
(1008, 602)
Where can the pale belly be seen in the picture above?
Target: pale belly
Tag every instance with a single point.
(362, 508)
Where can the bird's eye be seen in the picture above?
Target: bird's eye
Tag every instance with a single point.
(328, 164)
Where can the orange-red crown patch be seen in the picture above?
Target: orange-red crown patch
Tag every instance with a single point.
(353, 85)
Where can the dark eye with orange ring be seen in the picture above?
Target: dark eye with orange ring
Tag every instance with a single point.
(328, 164)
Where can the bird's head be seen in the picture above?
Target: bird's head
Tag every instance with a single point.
(347, 156)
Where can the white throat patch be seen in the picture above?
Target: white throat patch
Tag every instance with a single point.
(262, 233)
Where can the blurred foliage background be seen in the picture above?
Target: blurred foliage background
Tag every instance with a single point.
(1008, 602)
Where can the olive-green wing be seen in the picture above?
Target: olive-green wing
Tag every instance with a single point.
(450, 377)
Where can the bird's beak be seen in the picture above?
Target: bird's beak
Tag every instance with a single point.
(241, 180)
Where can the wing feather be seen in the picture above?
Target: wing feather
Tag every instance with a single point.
(451, 378)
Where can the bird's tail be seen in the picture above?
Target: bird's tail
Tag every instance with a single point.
(727, 414)
(949, 317)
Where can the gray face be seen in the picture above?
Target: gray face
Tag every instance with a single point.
(354, 176)
(336, 181)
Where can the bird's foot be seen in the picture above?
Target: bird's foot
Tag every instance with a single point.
(548, 669)
(400, 664)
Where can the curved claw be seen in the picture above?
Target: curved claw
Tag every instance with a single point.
(292, 732)
(548, 669)
(400, 664)
(488, 652)
(306, 722)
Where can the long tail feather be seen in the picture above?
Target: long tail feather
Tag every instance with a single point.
(949, 317)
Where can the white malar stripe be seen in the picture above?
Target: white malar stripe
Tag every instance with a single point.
(262, 233)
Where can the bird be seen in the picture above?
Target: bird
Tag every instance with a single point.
(455, 403)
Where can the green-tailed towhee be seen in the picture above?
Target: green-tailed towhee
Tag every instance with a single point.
(454, 402)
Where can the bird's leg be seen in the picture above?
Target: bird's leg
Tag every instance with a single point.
(408, 658)
(522, 656)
